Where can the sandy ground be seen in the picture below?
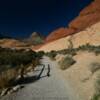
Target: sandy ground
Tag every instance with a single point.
(90, 35)
(47, 88)
(80, 76)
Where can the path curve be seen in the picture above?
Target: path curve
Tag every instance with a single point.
(47, 88)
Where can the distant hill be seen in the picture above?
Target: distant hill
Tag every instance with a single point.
(4, 35)
(31, 41)
(12, 43)
(35, 39)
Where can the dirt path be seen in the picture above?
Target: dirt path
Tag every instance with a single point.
(46, 88)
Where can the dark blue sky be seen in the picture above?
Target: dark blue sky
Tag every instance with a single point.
(22, 17)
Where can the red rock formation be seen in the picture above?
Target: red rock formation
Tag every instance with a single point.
(59, 33)
(87, 17)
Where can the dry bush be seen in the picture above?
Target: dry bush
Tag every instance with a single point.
(95, 66)
(97, 88)
(66, 62)
(52, 54)
(24, 69)
(7, 78)
(18, 61)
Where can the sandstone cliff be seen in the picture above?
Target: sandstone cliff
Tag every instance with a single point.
(87, 17)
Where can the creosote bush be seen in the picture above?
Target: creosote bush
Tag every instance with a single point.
(66, 62)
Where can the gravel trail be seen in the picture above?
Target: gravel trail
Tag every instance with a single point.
(46, 88)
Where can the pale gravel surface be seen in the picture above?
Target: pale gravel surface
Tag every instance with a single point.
(47, 88)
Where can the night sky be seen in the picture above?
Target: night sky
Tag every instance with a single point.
(22, 17)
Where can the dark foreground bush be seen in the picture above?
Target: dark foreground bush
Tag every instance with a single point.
(7, 78)
(15, 58)
(14, 63)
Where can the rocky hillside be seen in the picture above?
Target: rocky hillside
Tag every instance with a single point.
(12, 43)
(90, 35)
(87, 17)
(59, 33)
(33, 40)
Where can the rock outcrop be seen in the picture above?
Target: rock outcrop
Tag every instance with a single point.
(34, 39)
(90, 35)
(59, 33)
(87, 17)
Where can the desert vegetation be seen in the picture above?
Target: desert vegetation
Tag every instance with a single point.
(51, 54)
(95, 66)
(97, 88)
(70, 52)
(66, 62)
(87, 47)
(14, 63)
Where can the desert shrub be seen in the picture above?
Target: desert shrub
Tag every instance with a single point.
(7, 78)
(52, 54)
(15, 58)
(87, 47)
(73, 51)
(62, 51)
(70, 51)
(97, 88)
(40, 54)
(66, 62)
(95, 66)
(96, 97)
(97, 50)
(90, 48)
(38, 40)
(14, 63)
(67, 51)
